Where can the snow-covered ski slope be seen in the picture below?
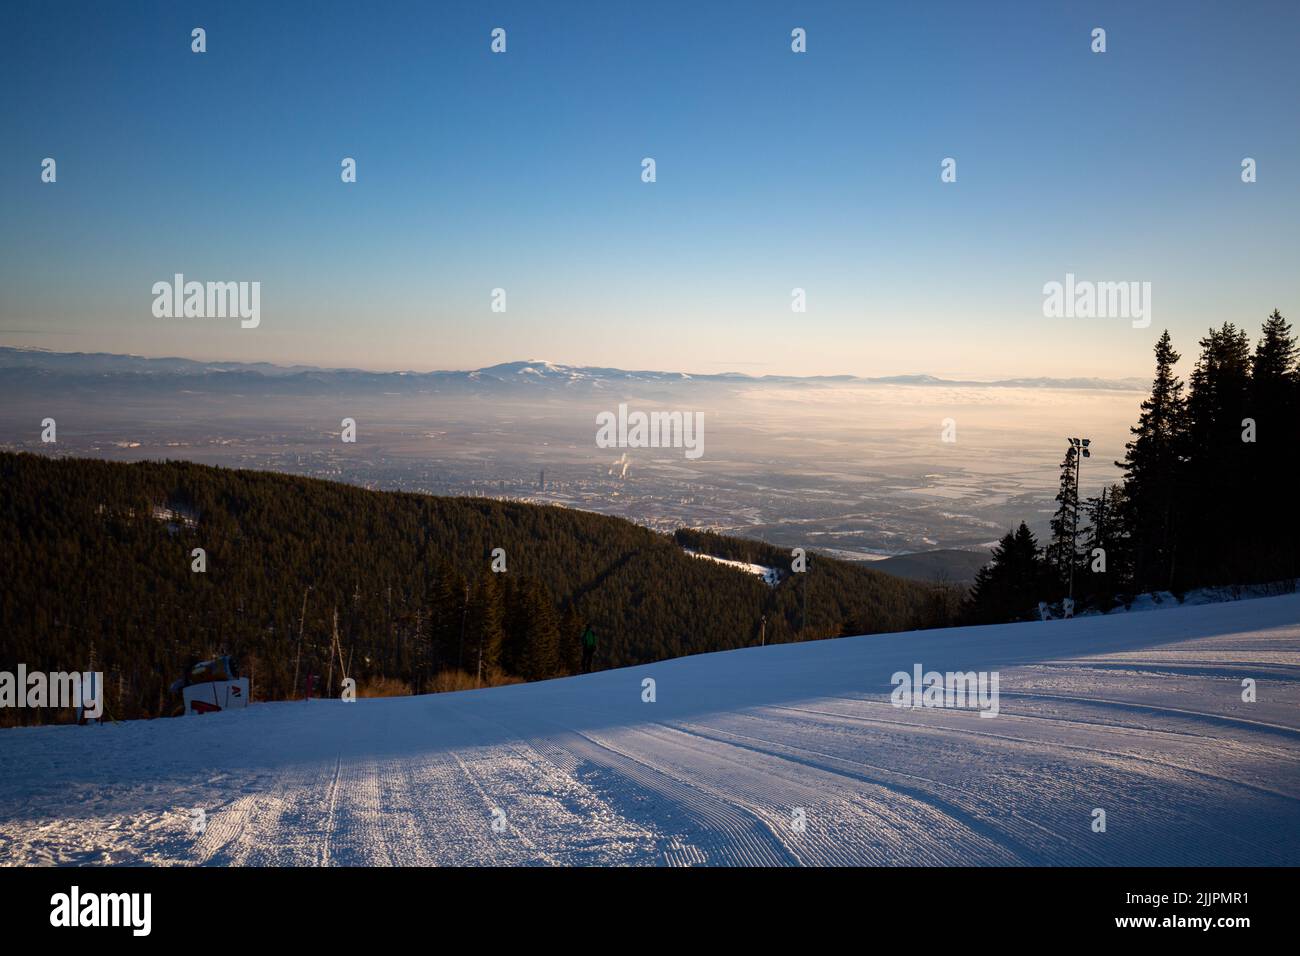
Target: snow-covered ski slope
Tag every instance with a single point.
(1137, 715)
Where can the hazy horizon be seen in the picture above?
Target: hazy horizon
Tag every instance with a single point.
(1135, 381)
(775, 171)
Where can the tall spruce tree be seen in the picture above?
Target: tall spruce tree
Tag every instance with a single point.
(1275, 407)
(1213, 539)
(1061, 554)
(1152, 472)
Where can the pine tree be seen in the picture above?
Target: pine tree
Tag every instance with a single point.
(1273, 366)
(1008, 588)
(1152, 471)
(1061, 555)
(1275, 406)
(1212, 538)
(1219, 391)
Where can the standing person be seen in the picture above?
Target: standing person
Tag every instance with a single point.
(588, 649)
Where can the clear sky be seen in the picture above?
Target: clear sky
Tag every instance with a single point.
(775, 170)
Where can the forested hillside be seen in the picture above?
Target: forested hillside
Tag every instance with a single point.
(98, 560)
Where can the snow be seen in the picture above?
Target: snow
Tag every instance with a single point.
(1138, 715)
(770, 576)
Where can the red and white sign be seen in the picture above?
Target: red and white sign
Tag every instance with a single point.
(217, 695)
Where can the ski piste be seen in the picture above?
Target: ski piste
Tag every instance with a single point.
(780, 755)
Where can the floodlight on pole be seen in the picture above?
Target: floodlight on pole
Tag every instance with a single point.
(1079, 448)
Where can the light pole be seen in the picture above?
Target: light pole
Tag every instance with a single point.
(803, 618)
(1080, 448)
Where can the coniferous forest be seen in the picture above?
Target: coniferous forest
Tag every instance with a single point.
(98, 560)
(1208, 496)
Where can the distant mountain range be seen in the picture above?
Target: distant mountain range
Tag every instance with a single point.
(20, 366)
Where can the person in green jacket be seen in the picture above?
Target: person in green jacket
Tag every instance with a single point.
(588, 649)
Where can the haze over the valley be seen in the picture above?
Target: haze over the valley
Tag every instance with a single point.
(857, 467)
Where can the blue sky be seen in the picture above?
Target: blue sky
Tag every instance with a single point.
(775, 170)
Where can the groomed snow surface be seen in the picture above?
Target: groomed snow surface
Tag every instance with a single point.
(1138, 715)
